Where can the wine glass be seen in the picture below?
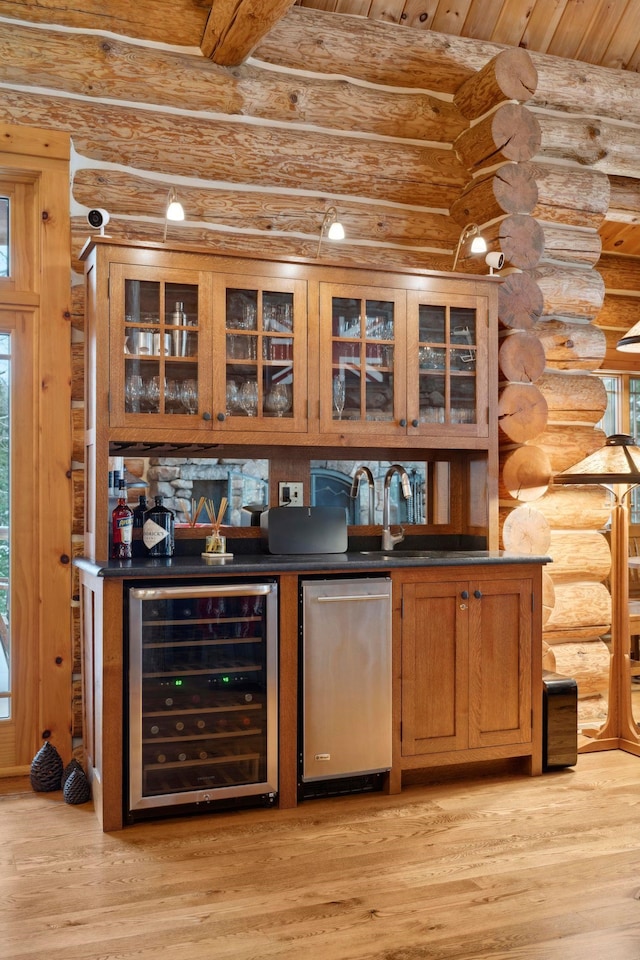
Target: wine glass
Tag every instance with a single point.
(152, 394)
(249, 397)
(338, 395)
(133, 393)
(279, 399)
(189, 396)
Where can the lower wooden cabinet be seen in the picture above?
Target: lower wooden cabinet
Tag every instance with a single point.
(470, 667)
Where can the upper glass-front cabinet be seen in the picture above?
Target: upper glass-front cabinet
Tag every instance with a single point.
(447, 373)
(265, 344)
(407, 363)
(207, 352)
(362, 358)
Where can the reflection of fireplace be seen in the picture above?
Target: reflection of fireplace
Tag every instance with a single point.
(330, 488)
(177, 479)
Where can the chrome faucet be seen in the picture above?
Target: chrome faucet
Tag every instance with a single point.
(365, 472)
(390, 539)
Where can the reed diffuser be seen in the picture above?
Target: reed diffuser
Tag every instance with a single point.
(216, 542)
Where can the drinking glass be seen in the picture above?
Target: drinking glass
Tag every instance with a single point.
(133, 392)
(189, 396)
(278, 399)
(249, 397)
(338, 395)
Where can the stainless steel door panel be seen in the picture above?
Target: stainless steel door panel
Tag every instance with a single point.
(346, 677)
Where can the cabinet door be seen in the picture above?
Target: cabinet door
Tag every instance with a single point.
(260, 367)
(362, 360)
(434, 667)
(500, 625)
(158, 346)
(447, 371)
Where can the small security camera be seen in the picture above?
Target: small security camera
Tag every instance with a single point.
(494, 260)
(98, 219)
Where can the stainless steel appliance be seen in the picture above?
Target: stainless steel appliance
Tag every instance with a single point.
(202, 694)
(346, 696)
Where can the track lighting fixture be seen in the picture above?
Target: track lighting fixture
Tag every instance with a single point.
(332, 227)
(478, 243)
(174, 211)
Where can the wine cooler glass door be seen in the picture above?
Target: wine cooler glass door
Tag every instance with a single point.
(202, 693)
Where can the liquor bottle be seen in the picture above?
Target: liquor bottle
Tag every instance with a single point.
(138, 523)
(121, 526)
(157, 530)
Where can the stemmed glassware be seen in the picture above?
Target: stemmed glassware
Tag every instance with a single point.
(338, 395)
(249, 397)
(133, 393)
(279, 399)
(189, 395)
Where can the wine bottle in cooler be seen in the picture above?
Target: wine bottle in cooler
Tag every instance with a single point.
(158, 530)
(121, 526)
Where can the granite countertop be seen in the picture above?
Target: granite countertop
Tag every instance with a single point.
(266, 563)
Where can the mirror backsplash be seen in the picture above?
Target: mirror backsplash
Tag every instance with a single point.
(182, 481)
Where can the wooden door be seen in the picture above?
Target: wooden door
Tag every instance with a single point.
(447, 365)
(434, 667)
(362, 352)
(500, 638)
(260, 361)
(160, 343)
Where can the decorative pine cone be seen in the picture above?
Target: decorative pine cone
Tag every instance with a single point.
(77, 788)
(46, 769)
(68, 770)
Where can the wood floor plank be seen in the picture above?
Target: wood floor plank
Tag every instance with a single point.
(500, 868)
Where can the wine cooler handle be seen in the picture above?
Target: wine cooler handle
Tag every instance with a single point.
(211, 590)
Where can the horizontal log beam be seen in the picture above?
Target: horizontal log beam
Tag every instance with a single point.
(571, 346)
(213, 241)
(94, 67)
(180, 22)
(248, 153)
(125, 194)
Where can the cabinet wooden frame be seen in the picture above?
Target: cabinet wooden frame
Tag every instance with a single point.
(482, 666)
(311, 425)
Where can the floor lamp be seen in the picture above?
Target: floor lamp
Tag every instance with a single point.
(616, 467)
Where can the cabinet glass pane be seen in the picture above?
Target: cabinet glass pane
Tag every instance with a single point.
(362, 359)
(161, 347)
(447, 364)
(260, 343)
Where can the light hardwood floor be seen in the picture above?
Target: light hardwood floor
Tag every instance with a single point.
(507, 868)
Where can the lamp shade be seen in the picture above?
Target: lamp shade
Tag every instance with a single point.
(630, 343)
(618, 461)
(478, 245)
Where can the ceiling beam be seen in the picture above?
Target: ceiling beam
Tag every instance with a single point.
(236, 27)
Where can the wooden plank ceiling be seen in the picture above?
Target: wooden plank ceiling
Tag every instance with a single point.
(602, 32)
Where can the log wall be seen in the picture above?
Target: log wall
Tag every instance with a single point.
(411, 146)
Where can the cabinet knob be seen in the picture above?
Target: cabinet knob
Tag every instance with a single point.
(465, 594)
(403, 422)
(221, 416)
(477, 594)
(415, 423)
(206, 416)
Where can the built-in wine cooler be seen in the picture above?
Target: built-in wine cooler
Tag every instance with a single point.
(202, 695)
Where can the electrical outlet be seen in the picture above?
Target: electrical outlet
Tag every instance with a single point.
(290, 494)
